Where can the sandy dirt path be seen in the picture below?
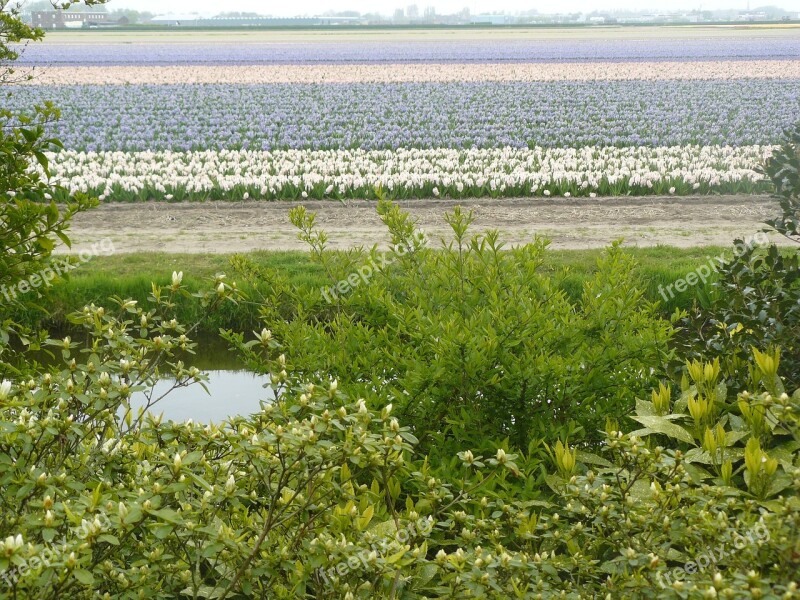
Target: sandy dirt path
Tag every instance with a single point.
(223, 227)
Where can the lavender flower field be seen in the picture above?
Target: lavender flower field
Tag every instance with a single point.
(392, 116)
(467, 118)
(383, 52)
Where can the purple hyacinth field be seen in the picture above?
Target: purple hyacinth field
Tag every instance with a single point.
(490, 51)
(393, 116)
(684, 95)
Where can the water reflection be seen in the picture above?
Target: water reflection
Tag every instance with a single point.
(230, 393)
(232, 389)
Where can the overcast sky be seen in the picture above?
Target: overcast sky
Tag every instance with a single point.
(387, 7)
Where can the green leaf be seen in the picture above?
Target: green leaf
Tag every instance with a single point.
(588, 458)
(64, 238)
(427, 573)
(384, 529)
(46, 244)
(409, 437)
(698, 455)
(665, 427)
(641, 490)
(168, 515)
(645, 408)
(109, 539)
(364, 520)
(698, 474)
(41, 158)
(395, 557)
(83, 576)
(205, 591)
(554, 482)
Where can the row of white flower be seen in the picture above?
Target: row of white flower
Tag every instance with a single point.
(426, 72)
(296, 174)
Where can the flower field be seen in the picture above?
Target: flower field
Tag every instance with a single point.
(416, 73)
(341, 174)
(467, 118)
(446, 115)
(391, 51)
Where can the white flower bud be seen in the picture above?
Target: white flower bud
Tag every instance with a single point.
(5, 389)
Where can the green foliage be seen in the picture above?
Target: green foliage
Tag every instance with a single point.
(30, 221)
(755, 301)
(130, 275)
(318, 496)
(324, 493)
(783, 170)
(642, 526)
(30, 218)
(114, 500)
(737, 440)
(471, 341)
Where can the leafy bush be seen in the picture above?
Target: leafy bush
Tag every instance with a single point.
(471, 341)
(755, 302)
(783, 170)
(319, 496)
(30, 221)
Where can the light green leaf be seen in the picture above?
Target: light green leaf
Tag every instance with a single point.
(665, 427)
(83, 576)
(588, 458)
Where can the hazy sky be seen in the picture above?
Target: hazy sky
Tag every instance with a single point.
(387, 7)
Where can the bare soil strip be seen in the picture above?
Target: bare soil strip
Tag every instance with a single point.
(228, 227)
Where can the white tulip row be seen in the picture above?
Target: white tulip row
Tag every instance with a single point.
(294, 174)
(427, 72)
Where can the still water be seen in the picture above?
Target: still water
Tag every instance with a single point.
(232, 389)
(230, 393)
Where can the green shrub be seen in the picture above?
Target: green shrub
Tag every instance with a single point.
(471, 341)
(782, 168)
(318, 496)
(755, 301)
(30, 221)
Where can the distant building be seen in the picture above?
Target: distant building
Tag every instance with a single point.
(176, 20)
(753, 16)
(58, 19)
